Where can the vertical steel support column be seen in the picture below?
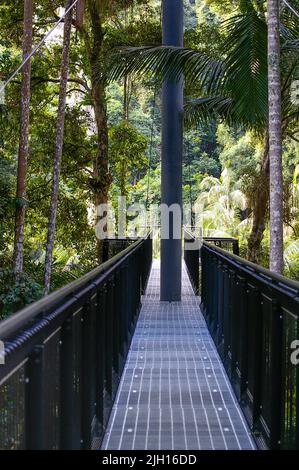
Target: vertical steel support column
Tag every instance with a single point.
(172, 150)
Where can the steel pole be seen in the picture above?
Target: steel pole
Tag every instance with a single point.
(172, 151)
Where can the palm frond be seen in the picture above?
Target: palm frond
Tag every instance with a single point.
(246, 68)
(207, 109)
(291, 44)
(235, 89)
(167, 62)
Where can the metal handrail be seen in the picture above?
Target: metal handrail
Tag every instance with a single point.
(18, 320)
(220, 241)
(253, 315)
(244, 265)
(64, 356)
(191, 258)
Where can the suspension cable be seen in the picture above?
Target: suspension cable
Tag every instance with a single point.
(36, 48)
(187, 159)
(151, 147)
(190, 178)
(291, 8)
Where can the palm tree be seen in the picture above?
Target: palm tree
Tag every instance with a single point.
(219, 204)
(234, 89)
(275, 138)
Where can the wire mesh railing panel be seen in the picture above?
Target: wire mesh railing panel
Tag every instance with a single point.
(227, 244)
(290, 383)
(66, 356)
(52, 347)
(191, 258)
(253, 317)
(12, 411)
(112, 246)
(77, 375)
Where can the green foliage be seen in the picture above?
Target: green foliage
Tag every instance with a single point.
(220, 206)
(6, 200)
(127, 154)
(225, 67)
(241, 152)
(246, 49)
(14, 295)
(6, 187)
(291, 258)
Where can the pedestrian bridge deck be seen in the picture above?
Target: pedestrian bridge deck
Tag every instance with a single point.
(174, 393)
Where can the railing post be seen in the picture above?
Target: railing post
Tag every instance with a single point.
(219, 294)
(67, 436)
(130, 285)
(34, 401)
(242, 365)
(121, 312)
(234, 325)
(270, 412)
(204, 287)
(276, 374)
(138, 282)
(209, 288)
(236, 249)
(100, 329)
(253, 390)
(124, 311)
(109, 339)
(116, 325)
(224, 344)
(214, 316)
(127, 305)
(105, 251)
(88, 375)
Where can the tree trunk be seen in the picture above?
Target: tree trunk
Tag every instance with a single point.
(101, 179)
(127, 97)
(24, 141)
(80, 13)
(58, 146)
(260, 207)
(275, 138)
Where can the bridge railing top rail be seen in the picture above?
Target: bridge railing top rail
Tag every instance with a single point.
(228, 243)
(74, 290)
(271, 279)
(189, 231)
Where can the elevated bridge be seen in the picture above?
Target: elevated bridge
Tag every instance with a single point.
(102, 363)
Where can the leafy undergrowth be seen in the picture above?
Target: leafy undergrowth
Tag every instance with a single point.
(15, 295)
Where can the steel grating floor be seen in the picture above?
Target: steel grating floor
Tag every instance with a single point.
(174, 393)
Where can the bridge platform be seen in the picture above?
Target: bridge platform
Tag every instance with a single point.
(174, 393)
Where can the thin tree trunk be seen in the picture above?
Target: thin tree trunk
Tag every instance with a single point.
(58, 146)
(261, 201)
(24, 141)
(127, 97)
(275, 138)
(101, 178)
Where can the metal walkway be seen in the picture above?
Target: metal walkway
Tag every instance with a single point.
(174, 393)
